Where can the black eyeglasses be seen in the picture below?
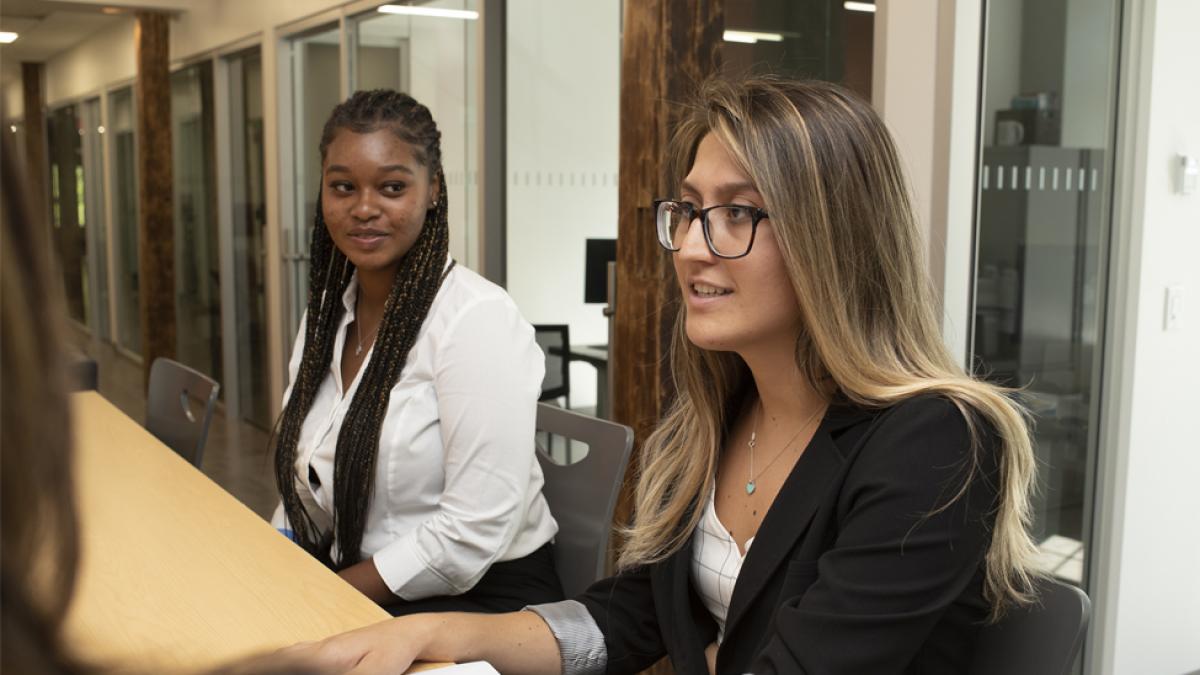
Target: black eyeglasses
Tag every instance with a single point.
(728, 228)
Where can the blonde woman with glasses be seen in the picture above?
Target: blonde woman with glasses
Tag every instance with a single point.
(829, 492)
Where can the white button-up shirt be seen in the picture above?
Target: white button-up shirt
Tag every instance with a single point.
(457, 483)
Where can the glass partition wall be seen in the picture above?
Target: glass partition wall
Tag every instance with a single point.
(313, 73)
(92, 130)
(1043, 219)
(68, 216)
(248, 221)
(428, 54)
(431, 58)
(125, 218)
(197, 268)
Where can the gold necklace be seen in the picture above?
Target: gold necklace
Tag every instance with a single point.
(751, 484)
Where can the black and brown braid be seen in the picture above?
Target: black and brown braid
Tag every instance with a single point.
(417, 282)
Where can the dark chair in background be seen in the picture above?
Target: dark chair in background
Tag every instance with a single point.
(174, 391)
(555, 341)
(1042, 639)
(583, 496)
(83, 374)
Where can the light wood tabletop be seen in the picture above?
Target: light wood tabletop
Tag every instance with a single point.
(176, 573)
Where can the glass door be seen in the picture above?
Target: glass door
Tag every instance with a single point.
(67, 207)
(427, 51)
(249, 221)
(92, 130)
(313, 63)
(1044, 212)
(197, 261)
(125, 218)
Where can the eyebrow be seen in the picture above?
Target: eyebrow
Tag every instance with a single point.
(341, 168)
(723, 188)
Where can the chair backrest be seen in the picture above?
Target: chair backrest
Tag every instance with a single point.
(179, 407)
(582, 496)
(1041, 639)
(83, 373)
(555, 341)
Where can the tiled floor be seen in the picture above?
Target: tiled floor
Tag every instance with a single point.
(235, 455)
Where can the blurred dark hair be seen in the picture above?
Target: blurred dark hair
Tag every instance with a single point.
(39, 543)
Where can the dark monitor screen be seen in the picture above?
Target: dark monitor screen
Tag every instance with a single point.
(595, 269)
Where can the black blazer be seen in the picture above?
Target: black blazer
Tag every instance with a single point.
(854, 570)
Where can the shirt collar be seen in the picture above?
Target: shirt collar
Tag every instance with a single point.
(350, 296)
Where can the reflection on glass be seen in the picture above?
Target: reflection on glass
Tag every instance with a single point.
(197, 258)
(197, 261)
(125, 224)
(429, 58)
(91, 205)
(562, 145)
(248, 197)
(800, 38)
(316, 81)
(1043, 223)
(66, 207)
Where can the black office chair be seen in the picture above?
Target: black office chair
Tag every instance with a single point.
(1042, 639)
(555, 341)
(169, 415)
(83, 374)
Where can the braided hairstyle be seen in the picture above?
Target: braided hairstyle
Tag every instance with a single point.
(417, 282)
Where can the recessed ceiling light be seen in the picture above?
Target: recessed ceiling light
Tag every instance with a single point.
(430, 11)
(859, 6)
(7, 37)
(750, 37)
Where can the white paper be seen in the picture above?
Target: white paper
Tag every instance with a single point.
(472, 668)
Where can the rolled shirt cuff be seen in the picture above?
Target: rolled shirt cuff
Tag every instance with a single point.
(580, 642)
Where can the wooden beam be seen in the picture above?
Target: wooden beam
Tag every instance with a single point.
(668, 47)
(156, 227)
(34, 123)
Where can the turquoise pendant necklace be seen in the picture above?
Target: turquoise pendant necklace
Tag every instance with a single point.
(752, 481)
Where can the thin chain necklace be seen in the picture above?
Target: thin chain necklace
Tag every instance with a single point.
(358, 332)
(751, 484)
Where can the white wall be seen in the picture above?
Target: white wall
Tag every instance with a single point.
(562, 149)
(1150, 569)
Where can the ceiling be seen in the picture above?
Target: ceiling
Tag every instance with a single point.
(47, 27)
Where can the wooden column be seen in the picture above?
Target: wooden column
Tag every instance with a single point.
(36, 170)
(669, 46)
(156, 227)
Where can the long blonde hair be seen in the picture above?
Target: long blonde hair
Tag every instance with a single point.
(831, 179)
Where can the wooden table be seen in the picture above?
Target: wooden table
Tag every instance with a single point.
(175, 572)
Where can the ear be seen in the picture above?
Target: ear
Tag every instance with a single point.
(435, 190)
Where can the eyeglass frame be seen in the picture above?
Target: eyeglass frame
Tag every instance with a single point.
(756, 213)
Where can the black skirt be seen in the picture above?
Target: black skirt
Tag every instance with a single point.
(506, 587)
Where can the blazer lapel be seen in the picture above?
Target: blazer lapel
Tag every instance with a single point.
(684, 635)
(786, 520)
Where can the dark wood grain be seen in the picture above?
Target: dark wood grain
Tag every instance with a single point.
(156, 227)
(668, 47)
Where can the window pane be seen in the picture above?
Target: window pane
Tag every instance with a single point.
(125, 223)
(1044, 220)
(197, 261)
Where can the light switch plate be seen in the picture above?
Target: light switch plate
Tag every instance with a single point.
(1173, 309)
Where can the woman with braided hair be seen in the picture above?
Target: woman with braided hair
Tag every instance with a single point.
(404, 456)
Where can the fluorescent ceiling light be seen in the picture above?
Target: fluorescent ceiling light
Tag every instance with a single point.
(430, 11)
(859, 6)
(750, 37)
(6, 37)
